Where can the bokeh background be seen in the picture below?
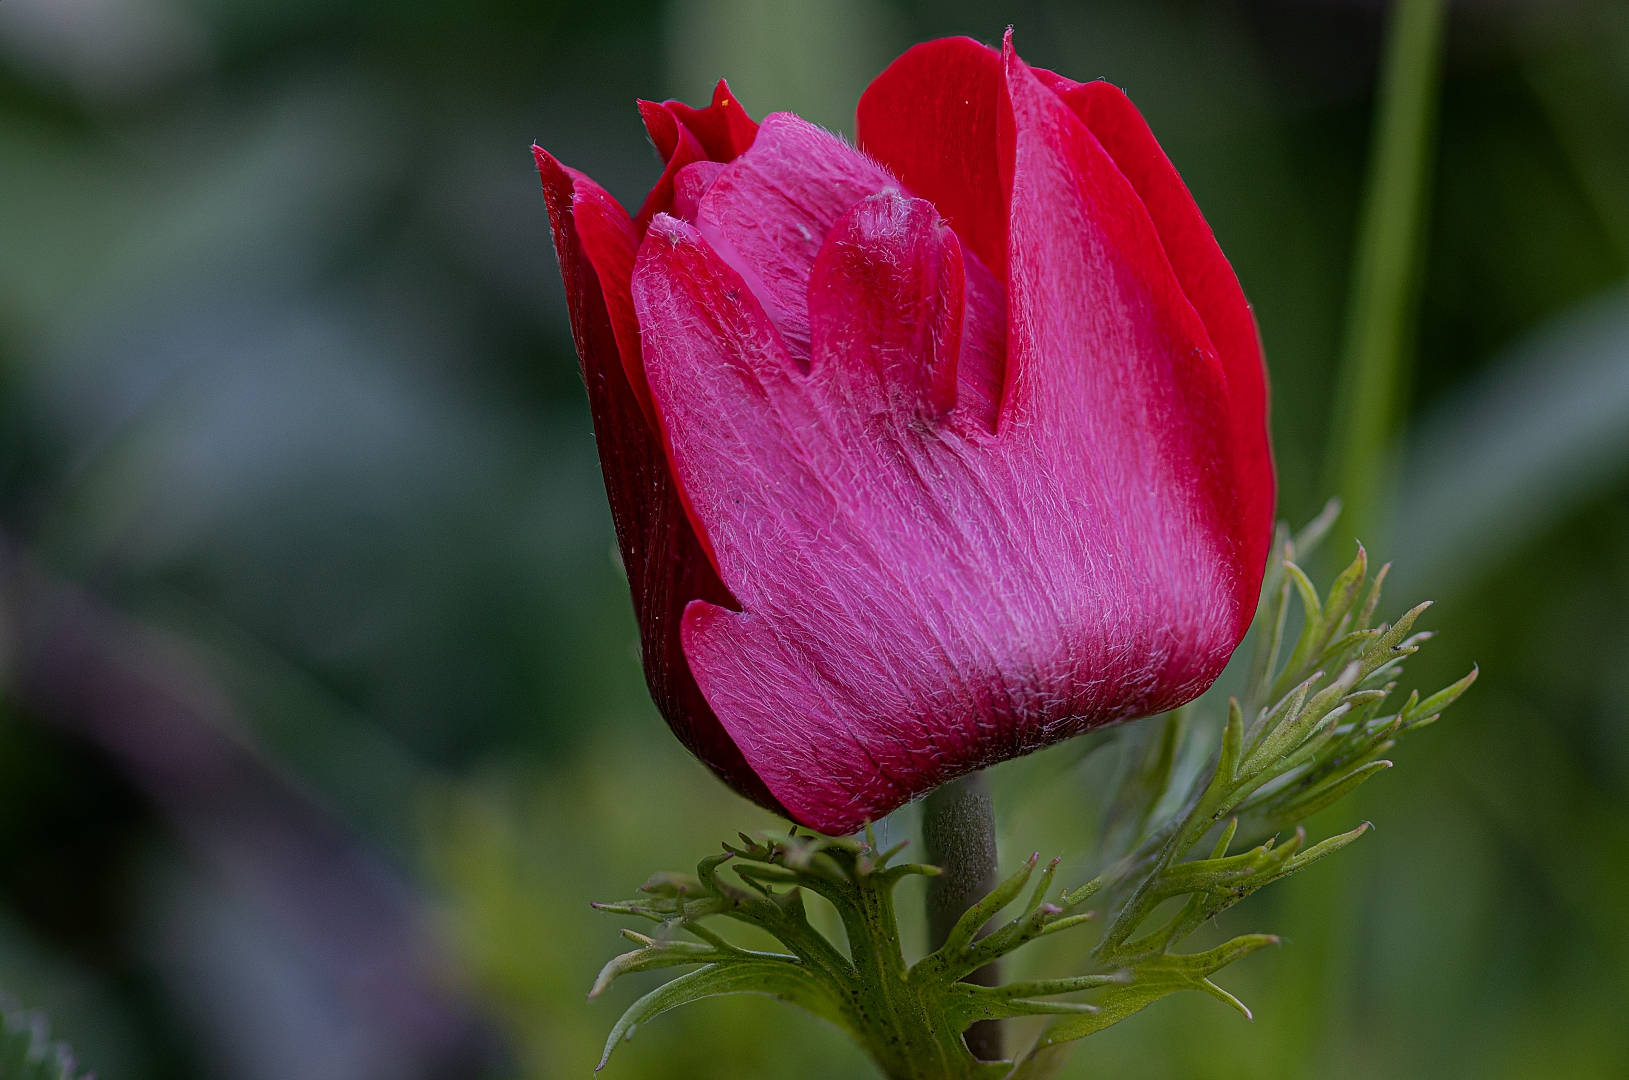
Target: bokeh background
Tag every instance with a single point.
(321, 717)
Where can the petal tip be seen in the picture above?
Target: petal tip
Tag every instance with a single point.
(675, 231)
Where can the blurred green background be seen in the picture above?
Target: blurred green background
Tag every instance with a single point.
(322, 721)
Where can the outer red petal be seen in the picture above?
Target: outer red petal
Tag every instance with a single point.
(665, 564)
(723, 128)
(678, 147)
(1212, 288)
(932, 117)
(720, 132)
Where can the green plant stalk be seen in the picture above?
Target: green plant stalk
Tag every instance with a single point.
(1385, 267)
(958, 833)
(907, 1029)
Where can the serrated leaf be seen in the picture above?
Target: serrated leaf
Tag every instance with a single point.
(1287, 706)
(967, 927)
(1344, 593)
(1342, 645)
(1312, 631)
(776, 978)
(1068, 922)
(655, 954)
(667, 884)
(964, 1004)
(1323, 849)
(1414, 714)
(1152, 979)
(1372, 600)
(1330, 792)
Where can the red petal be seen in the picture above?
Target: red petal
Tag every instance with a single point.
(932, 117)
(678, 148)
(920, 599)
(723, 128)
(666, 567)
(661, 126)
(607, 240)
(1212, 288)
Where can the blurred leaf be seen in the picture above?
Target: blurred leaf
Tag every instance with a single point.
(1384, 275)
(26, 1051)
(1542, 430)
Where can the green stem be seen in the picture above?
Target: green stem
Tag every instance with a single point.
(1384, 272)
(958, 831)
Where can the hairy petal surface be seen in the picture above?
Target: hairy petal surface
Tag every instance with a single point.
(768, 213)
(920, 596)
(1211, 287)
(926, 456)
(1113, 383)
(885, 310)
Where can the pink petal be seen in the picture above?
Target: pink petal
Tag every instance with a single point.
(981, 366)
(1113, 377)
(1212, 288)
(896, 627)
(745, 438)
(769, 212)
(690, 185)
(918, 598)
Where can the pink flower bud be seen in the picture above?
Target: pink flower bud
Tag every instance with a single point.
(926, 454)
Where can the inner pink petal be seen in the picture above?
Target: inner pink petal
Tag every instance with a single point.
(693, 182)
(982, 364)
(768, 213)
